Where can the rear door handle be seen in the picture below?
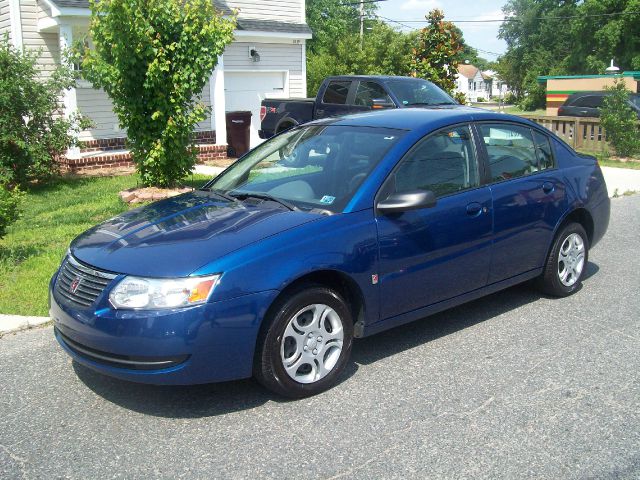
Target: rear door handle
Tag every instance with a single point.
(474, 209)
(547, 187)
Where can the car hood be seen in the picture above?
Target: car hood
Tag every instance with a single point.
(174, 237)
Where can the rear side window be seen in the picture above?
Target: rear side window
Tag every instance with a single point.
(367, 92)
(543, 150)
(336, 92)
(510, 149)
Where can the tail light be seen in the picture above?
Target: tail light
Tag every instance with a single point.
(263, 112)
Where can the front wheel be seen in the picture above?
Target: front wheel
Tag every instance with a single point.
(567, 261)
(306, 344)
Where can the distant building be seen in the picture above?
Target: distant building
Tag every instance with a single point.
(475, 83)
(559, 87)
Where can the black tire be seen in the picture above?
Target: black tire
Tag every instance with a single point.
(268, 365)
(549, 281)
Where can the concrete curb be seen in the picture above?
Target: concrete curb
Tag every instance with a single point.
(16, 323)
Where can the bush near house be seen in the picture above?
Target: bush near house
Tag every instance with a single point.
(153, 59)
(32, 131)
(620, 121)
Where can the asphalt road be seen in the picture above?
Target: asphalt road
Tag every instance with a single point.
(511, 386)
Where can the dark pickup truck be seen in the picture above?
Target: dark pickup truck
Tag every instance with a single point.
(350, 94)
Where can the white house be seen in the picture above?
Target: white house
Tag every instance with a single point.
(475, 83)
(267, 58)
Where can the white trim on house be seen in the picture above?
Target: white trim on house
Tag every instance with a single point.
(16, 24)
(243, 35)
(69, 97)
(216, 90)
(66, 11)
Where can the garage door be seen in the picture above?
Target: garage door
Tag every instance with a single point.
(246, 90)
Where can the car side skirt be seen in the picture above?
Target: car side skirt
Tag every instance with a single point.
(414, 315)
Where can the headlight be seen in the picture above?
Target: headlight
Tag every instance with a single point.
(154, 293)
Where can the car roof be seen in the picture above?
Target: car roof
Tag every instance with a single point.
(422, 119)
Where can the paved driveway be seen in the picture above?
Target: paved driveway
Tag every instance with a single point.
(512, 386)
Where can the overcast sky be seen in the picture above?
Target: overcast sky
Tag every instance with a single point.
(479, 35)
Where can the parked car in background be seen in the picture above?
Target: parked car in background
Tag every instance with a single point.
(337, 229)
(346, 94)
(588, 104)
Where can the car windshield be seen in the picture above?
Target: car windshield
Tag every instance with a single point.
(415, 91)
(314, 167)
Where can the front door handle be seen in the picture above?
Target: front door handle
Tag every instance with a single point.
(547, 187)
(474, 209)
(319, 113)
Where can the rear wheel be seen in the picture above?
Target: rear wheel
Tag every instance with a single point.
(566, 264)
(306, 345)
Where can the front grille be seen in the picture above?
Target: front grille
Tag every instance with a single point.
(81, 284)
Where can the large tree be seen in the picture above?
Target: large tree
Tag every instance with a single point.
(437, 51)
(153, 59)
(550, 37)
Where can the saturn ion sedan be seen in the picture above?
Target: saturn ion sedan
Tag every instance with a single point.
(330, 231)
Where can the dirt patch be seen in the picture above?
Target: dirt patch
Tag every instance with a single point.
(150, 194)
(218, 162)
(104, 172)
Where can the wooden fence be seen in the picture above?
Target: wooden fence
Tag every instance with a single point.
(582, 133)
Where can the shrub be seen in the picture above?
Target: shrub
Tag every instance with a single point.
(460, 97)
(9, 203)
(510, 98)
(153, 59)
(619, 121)
(480, 99)
(32, 131)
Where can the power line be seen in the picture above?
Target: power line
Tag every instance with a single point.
(509, 19)
(352, 4)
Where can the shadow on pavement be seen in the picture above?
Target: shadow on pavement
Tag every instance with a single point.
(217, 399)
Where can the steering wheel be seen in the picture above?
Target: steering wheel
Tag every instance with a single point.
(355, 181)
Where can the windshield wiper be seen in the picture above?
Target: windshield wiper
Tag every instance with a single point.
(430, 104)
(220, 194)
(265, 196)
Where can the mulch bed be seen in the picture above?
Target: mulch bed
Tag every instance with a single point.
(150, 194)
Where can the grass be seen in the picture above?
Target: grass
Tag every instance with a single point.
(52, 215)
(606, 160)
(515, 110)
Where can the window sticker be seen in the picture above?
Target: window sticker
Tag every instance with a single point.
(327, 199)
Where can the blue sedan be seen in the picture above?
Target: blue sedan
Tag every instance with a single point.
(331, 231)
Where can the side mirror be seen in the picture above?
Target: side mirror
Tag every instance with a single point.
(403, 202)
(379, 103)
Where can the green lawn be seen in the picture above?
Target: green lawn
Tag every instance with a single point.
(515, 110)
(52, 216)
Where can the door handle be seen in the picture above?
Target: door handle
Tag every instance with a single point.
(319, 112)
(474, 209)
(547, 187)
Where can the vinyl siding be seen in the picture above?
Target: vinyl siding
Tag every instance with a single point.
(273, 56)
(277, 10)
(30, 12)
(5, 21)
(96, 105)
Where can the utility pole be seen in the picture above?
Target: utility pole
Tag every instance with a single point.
(361, 23)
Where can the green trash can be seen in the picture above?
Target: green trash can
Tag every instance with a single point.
(238, 133)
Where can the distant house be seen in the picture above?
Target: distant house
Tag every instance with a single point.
(266, 58)
(475, 83)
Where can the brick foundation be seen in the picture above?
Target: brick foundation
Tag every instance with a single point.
(123, 159)
(110, 144)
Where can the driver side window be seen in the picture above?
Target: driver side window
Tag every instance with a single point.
(444, 162)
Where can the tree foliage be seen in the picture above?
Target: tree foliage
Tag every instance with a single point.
(33, 131)
(620, 121)
(336, 48)
(567, 37)
(436, 54)
(153, 59)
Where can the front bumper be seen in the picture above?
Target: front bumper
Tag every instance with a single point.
(213, 342)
